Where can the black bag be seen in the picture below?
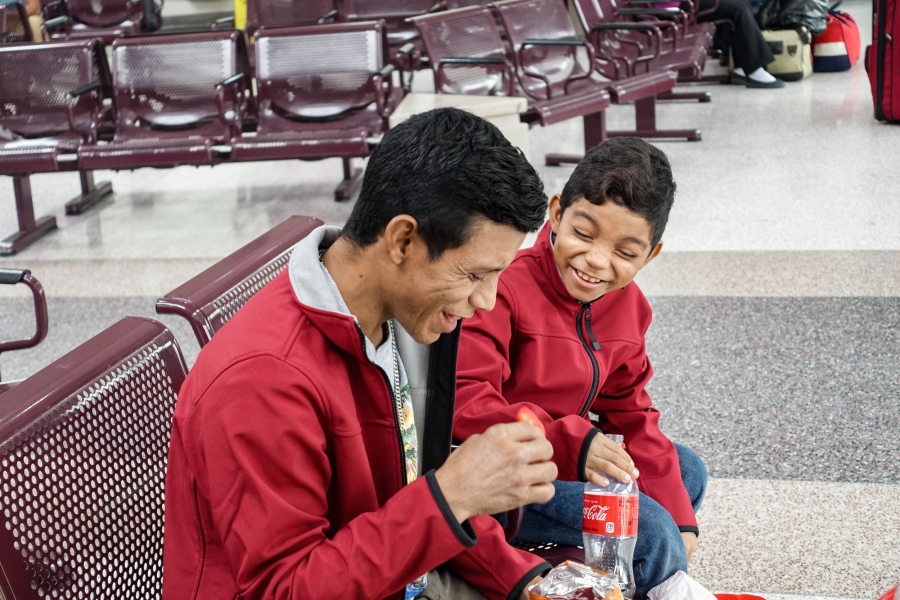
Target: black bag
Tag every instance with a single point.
(787, 14)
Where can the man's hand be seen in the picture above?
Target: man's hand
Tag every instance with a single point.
(534, 581)
(690, 543)
(505, 467)
(608, 457)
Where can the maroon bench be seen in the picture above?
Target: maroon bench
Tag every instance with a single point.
(322, 91)
(211, 298)
(52, 101)
(544, 47)
(83, 448)
(176, 97)
(104, 19)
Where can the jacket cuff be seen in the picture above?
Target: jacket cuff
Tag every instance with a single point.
(541, 569)
(582, 456)
(689, 529)
(463, 531)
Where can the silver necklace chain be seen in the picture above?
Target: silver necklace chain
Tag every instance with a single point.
(396, 363)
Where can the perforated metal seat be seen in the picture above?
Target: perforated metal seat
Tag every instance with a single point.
(545, 48)
(83, 447)
(322, 90)
(469, 57)
(210, 299)
(287, 13)
(645, 45)
(176, 97)
(395, 14)
(52, 101)
(104, 19)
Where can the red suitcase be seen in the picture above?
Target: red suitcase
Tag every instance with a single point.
(883, 60)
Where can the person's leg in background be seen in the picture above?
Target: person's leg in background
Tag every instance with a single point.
(748, 46)
(35, 23)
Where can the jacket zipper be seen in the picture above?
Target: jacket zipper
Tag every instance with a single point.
(387, 383)
(584, 317)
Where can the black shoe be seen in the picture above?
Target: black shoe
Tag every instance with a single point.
(752, 83)
(738, 79)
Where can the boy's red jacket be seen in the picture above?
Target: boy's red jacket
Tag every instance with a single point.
(285, 477)
(534, 348)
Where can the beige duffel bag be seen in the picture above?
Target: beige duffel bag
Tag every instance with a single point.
(793, 53)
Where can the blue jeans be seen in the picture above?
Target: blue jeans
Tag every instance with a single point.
(659, 551)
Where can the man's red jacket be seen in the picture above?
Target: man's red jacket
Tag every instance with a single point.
(285, 477)
(535, 348)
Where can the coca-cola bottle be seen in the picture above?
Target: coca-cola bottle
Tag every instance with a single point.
(609, 527)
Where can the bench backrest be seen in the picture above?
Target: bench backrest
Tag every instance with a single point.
(285, 13)
(169, 82)
(465, 33)
(317, 73)
(37, 79)
(210, 299)
(83, 448)
(526, 20)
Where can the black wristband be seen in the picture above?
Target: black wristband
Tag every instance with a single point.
(689, 529)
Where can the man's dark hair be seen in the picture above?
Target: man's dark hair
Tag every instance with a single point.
(629, 172)
(446, 168)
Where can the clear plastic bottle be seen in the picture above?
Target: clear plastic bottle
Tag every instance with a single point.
(609, 527)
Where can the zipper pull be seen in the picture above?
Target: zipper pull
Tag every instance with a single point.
(590, 329)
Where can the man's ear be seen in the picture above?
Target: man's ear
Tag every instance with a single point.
(653, 253)
(400, 235)
(554, 210)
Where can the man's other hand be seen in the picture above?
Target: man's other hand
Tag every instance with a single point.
(507, 466)
(690, 543)
(608, 457)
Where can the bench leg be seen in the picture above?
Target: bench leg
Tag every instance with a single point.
(90, 193)
(698, 96)
(687, 76)
(352, 180)
(594, 133)
(29, 228)
(645, 116)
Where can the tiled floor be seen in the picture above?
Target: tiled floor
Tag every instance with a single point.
(775, 338)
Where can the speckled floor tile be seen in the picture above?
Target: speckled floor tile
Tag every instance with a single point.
(781, 388)
(797, 537)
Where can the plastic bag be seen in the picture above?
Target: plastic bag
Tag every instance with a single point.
(680, 586)
(787, 14)
(574, 581)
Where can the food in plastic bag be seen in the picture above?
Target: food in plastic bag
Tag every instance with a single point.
(574, 581)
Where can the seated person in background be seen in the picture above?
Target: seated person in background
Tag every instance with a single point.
(567, 337)
(310, 454)
(35, 20)
(749, 48)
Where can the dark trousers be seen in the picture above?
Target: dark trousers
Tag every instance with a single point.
(748, 46)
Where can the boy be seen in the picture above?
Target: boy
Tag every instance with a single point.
(566, 338)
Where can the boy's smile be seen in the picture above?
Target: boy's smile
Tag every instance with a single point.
(599, 248)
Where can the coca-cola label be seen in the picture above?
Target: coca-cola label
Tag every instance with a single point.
(892, 593)
(615, 516)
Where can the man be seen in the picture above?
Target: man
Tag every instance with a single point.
(310, 448)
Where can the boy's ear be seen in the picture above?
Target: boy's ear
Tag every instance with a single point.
(555, 213)
(653, 253)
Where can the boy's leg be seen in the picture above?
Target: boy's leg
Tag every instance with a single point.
(693, 475)
(659, 551)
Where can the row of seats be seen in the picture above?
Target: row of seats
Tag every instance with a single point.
(323, 90)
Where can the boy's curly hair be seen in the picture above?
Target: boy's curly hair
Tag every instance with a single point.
(629, 172)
